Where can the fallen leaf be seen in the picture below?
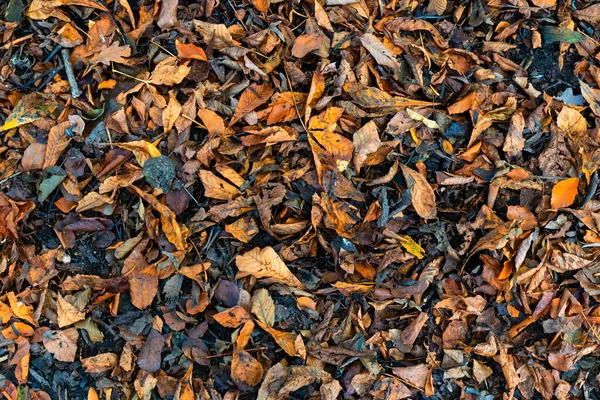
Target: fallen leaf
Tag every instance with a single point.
(265, 263)
(61, 344)
(564, 193)
(423, 197)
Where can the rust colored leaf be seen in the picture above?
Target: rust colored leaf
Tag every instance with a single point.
(232, 317)
(423, 197)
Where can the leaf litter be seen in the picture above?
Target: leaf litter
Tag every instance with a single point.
(280, 200)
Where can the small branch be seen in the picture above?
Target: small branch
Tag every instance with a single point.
(75, 92)
(230, 353)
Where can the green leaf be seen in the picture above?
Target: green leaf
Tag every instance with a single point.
(553, 34)
(14, 11)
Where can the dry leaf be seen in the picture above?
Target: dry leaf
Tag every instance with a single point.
(564, 193)
(379, 51)
(100, 363)
(423, 197)
(217, 188)
(62, 344)
(67, 313)
(263, 307)
(245, 368)
(254, 96)
(265, 263)
(232, 317)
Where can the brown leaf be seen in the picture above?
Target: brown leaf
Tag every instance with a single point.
(171, 113)
(167, 17)
(168, 72)
(589, 14)
(217, 188)
(439, 6)
(114, 53)
(254, 96)
(306, 43)
(100, 363)
(174, 233)
(21, 359)
(61, 344)
(67, 313)
(571, 122)
(423, 197)
(149, 358)
(214, 123)
(59, 138)
(379, 51)
(514, 143)
(265, 263)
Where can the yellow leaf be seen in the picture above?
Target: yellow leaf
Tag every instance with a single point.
(171, 113)
(265, 263)
(30, 108)
(141, 149)
(431, 124)
(286, 340)
(263, 307)
(564, 193)
(571, 122)
(67, 313)
(411, 246)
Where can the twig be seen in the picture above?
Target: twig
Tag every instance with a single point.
(75, 91)
(231, 352)
(294, 99)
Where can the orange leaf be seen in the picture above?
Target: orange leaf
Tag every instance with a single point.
(564, 192)
(254, 96)
(232, 317)
(189, 50)
(246, 369)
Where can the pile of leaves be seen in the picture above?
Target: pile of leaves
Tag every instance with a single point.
(299, 199)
